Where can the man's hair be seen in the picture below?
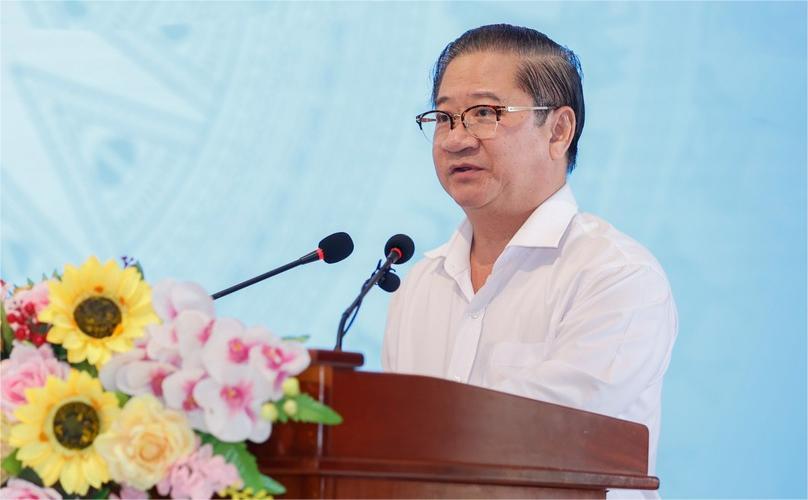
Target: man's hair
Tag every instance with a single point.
(548, 72)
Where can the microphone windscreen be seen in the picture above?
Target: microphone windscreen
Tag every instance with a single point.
(404, 244)
(336, 247)
(389, 282)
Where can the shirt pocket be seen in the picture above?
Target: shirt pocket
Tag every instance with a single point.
(518, 354)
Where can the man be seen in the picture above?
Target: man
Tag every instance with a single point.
(529, 296)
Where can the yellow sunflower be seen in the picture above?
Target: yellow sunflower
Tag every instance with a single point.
(96, 310)
(57, 430)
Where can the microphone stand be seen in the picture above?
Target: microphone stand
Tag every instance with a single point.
(261, 277)
(333, 248)
(355, 305)
(392, 258)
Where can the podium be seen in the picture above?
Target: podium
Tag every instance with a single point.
(407, 436)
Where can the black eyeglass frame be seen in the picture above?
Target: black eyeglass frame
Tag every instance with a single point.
(462, 116)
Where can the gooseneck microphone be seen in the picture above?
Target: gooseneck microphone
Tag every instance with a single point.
(389, 282)
(398, 250)
(331, 249)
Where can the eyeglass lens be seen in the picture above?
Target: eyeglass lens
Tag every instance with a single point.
(480, 121)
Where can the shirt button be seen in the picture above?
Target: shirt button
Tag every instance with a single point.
(456, 378)
(475, 315)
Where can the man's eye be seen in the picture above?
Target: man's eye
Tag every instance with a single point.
(484, 112)
(441, 118)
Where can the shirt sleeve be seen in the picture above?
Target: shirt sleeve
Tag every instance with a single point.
(612, 342)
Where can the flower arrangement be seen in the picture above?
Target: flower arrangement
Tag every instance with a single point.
(112, 389)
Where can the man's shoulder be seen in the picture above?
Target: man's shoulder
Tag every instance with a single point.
(598, 259)
(598, 243)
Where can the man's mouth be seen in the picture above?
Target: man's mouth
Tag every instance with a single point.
(459, 169)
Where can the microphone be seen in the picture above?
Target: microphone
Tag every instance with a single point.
(389, 282)
(331, 249)
(399, 249)
(402, 246)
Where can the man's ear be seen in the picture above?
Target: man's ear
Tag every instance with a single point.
(562, 130)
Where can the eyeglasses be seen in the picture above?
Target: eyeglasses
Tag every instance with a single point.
(481, 120)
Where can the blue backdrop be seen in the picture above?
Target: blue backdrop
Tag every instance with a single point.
(214, 141)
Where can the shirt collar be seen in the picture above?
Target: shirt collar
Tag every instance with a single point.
(547, 224)
(543, 229)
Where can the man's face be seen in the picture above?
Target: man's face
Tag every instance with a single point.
(504, 174)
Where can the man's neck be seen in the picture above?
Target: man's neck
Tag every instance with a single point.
(493, 229)
(492, 232)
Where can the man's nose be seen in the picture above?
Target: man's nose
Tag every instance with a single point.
(458, 139)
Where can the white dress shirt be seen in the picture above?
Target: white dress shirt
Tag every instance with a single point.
(574, 312)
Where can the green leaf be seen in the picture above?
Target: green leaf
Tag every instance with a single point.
(122, 398)
(282, 416)
(238, 455)
(297, 338)
(101, 494)
(59, 351)
(11, 465)
(85, 366)
(140, 270)
(5, 331)
(273, 487)
(30, 475)
(311, 410)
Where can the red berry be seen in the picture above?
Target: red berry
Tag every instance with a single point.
(20, 334)
(38, 339)
(12, 318)
(29, 308)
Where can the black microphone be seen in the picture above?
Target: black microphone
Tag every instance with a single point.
(389, 282)
(331, 249)
(399, 249)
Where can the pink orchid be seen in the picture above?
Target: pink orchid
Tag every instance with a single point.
(178, 392)
(180, 341)
(162, 344)
(169, 298)
(226, 355)
(199, 475)
(28, 366)
(19, 489)
(109, 372)
(193, 330)
(232, 409)
(143, 377)
(276, 360)
(134, 373)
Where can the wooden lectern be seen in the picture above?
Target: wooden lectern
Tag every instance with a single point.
(407, 436)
